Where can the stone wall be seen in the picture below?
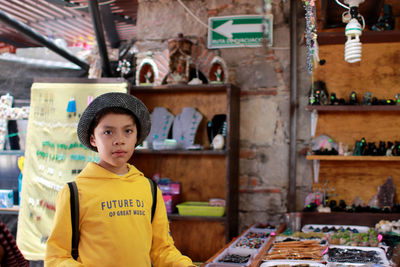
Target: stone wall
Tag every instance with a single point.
(264, 78)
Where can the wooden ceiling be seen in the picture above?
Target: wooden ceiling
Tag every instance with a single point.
(69, 20)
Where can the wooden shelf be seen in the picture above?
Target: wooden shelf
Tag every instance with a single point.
(181, 88)
(330, 38)
(353, 108)
(347, 218)
(12, 152)
(14, 210)
(352, 158)
(182, 152)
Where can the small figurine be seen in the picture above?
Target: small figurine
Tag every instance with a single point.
(390, 102)
(396, 149)
(218, 74)
(363, 146)
(180, 50)
(353, 98)
(341, 152)
(357, 149)
(333, 99)
(382, 148)
(148, 76)
(318, 94)
(367, 99)
(397, 99)
(372, 150)
(389, 149)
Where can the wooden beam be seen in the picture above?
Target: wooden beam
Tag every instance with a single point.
(109, 26)
(98, 29)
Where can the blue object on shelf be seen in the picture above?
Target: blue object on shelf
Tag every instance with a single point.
(71, 105)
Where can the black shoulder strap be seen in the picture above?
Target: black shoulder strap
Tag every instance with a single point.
(74, 199)
(153, 186)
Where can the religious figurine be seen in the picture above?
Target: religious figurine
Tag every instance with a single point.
(148, 76)
(180, 50)
(147, 72)
(218, 71)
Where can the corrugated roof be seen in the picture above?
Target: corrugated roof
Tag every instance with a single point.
(69, 20)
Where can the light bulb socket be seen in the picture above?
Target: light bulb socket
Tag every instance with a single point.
(354, 12)
(353, 28)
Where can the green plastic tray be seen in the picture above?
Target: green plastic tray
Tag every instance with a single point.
(197, 208)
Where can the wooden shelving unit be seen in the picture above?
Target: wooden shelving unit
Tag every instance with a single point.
(353, 176)
(203, 174)
(352, 158)
(347, 218)
(351, 108)
(14, 210)
(338, 37)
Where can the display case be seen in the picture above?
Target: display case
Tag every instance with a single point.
(351, 176)
(204, 173)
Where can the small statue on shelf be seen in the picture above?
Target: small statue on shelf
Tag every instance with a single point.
(179, 59)
(353, 98)
(367, 99)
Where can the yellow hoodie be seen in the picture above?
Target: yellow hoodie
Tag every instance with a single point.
(114, 223)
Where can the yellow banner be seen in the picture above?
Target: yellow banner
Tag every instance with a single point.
(53, 155)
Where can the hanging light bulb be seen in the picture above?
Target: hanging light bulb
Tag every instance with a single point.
(352, 48)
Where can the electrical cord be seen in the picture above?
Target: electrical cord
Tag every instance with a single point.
(339, 3)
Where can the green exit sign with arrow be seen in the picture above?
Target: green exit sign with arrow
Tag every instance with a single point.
(239, 31)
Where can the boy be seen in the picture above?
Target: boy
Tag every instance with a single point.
(115, 199)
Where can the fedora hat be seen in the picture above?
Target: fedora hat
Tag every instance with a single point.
(114, 100)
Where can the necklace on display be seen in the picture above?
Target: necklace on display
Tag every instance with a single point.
(161, 124)
(185, 126)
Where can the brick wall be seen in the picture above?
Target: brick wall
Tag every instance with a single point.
(264, 78)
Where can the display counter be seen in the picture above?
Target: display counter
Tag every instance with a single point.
(320, 241)
(250, 245)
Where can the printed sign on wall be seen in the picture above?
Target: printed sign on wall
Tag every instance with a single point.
(239, 31)
(53, 155)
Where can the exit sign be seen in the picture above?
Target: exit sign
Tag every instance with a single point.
(239, 31)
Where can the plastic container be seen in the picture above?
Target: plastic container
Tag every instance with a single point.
(312, 227)
(219, 260)
(291, 263)
(197, 208)
(246, 246)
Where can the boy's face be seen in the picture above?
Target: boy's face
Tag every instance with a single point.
(115, 137)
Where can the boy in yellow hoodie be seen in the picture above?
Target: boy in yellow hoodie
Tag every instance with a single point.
(115, 199)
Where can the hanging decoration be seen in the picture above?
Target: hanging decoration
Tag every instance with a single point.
(124, 67)
(7, 112)
(311, 35)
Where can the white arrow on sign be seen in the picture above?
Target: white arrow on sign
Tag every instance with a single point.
(228, 28)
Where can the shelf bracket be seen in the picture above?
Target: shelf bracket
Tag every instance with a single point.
(316, 170)
(314, 120)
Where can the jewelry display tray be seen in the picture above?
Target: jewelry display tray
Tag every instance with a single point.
(360, 229)
(291, 263)
(380, 251)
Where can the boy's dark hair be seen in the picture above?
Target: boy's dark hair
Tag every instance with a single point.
(112, 110)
